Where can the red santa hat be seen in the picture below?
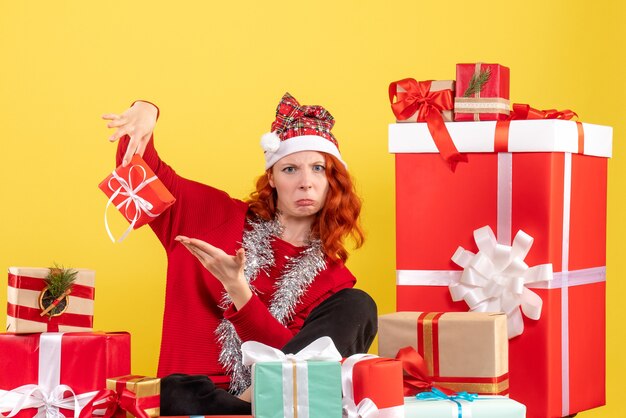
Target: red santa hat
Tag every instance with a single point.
(299, 128)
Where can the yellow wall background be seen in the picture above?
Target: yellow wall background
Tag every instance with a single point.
(217, 71)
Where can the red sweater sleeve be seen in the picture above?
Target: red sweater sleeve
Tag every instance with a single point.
(200, 204)
(254, 322)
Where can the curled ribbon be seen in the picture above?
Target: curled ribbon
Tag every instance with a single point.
(417, 98)
(47, 403)
(495, 279)
(366, 407)
(437, 395)
(127, 189)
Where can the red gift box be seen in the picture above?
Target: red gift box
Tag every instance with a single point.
(25, 286)
(544, 187)
(370, 382)
(47, 361)
(491, 102)
(138, 194)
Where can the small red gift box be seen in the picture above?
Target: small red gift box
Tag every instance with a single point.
(24, 302)
(43, 367)
(482, 92)
(138, 194)
(547, 181)
(369, 380)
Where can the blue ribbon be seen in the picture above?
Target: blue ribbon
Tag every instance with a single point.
(437, 395)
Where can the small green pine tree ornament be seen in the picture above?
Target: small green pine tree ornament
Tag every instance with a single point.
(477, 83)
(53, 300)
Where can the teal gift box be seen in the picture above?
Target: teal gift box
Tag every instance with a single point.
(302, 385)
(480, 407)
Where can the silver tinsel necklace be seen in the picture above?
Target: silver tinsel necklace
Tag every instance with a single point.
(297, 275)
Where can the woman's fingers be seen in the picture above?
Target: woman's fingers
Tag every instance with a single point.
(116, 123)
(118, 134)
(111, 116)
(130, 151)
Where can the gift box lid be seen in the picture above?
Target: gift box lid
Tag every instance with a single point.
(536, 135)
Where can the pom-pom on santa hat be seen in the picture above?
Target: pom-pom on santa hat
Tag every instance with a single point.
(299, 128)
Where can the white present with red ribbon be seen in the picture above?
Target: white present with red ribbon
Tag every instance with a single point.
(24, 307)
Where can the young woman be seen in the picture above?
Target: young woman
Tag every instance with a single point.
(268, 269)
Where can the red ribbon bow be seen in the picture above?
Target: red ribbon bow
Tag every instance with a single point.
(417, 98)
(110, 401)
(416, 377)
(523, 111)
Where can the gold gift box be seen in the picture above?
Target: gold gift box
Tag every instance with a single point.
(142, 386)
(463, 351)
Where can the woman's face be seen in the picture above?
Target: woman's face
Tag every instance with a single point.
(300, 182)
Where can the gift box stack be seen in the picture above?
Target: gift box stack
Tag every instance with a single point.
(502, 208)
(52, 361)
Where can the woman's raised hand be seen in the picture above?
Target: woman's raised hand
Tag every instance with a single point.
(137, 122)
(226, 268)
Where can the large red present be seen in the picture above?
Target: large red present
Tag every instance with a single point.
(371, 383)
(26, 290)
(552, 185)
(137, 193)
(56, 370)
(482, 92)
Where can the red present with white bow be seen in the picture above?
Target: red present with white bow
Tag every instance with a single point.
(137, 193)
(546, 178)
(51, 373)
(372, 387)
(25, 290)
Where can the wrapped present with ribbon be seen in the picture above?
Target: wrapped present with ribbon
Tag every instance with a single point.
(138, 396)
(49, 374)
(482, 92)
(302, 385)
(427, 101)
(545, 175)
(456, 351)
(50, 300)
(411, 97)
(137, 193)
(372, 387)
(437, 404)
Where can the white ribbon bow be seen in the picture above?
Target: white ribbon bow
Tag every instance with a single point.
(495, 279)
(322, 349)
(48, 404)
(366, 408)
(127, 189)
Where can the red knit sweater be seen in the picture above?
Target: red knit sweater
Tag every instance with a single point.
(192, 294)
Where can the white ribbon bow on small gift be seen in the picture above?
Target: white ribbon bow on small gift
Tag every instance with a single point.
(495, 279)
(322, 349)
(127, 189)
(366, 408)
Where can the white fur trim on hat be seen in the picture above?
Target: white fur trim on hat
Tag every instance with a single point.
(302, 143)
(270, 142)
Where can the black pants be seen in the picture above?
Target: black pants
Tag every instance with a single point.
(349, 317)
